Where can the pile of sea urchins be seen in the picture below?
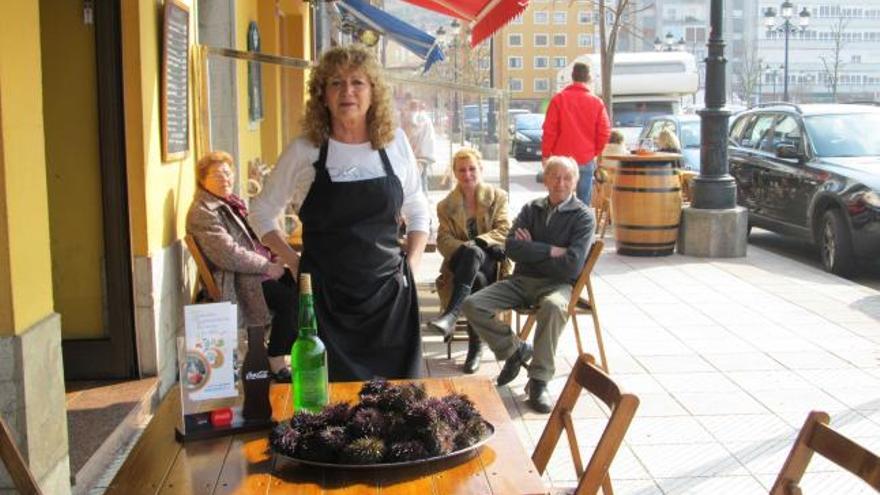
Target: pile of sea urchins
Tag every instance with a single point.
(392, 423)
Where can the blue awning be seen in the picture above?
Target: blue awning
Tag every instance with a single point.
(413, 39)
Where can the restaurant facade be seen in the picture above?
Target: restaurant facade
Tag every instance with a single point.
(94, 188)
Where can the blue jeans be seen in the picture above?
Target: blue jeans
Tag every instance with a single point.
(585, 182)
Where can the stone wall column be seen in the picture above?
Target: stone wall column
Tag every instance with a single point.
(31, 374)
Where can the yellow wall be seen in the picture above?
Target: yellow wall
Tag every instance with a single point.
(159, 193)
(70, 110)
(283, 88)
(295, 42)
(270, 40)
(249, 134)
(25, 262)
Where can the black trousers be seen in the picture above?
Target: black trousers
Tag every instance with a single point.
(471, 265)
(282, 297)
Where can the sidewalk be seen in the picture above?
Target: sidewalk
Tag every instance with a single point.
(727, 358)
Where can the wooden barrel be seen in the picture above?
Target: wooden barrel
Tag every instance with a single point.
(646, 207)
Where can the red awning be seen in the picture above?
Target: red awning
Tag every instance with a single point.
(487, 16)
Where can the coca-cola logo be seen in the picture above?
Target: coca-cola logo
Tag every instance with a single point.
(257, 375)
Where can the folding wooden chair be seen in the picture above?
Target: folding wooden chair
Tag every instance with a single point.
(686, 177)
(817, 436)
(206, 278)
(587, 376)
(601, 199)
(16, 466)
(577, 305)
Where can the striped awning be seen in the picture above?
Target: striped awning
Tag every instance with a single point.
(485, 16)
(413, 39)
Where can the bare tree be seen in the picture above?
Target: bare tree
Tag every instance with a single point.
(833, 65)
(620, 12)
(748, 76)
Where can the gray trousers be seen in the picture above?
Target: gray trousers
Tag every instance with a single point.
(550, 297)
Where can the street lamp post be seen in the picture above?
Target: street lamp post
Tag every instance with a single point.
(668, 44)
(785, 26)
(760, 81)
(454, 30)
(773, 72)
(714, 226)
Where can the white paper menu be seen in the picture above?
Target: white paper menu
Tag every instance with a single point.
(207, 371)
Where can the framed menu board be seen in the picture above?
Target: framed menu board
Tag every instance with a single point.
(175, 81)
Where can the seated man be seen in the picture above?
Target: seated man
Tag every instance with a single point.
(548, 242)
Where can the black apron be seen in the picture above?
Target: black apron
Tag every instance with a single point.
(365, 295)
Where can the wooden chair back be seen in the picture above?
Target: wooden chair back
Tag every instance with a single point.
(687, 180)
(601, 199)
(578, 304)
(205, 276)
(18, 469)
(816, 436)
(587, 376)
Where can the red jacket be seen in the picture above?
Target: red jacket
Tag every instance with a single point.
(576, 125)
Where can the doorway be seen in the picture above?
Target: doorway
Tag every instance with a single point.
(88, 220)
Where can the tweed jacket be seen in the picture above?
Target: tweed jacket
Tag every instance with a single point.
(230, 251)
(493, 225)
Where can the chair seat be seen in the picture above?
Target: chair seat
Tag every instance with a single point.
(578, 304)
(582, 305)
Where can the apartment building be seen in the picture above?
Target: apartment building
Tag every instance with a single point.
(812, 53)
(540, 42)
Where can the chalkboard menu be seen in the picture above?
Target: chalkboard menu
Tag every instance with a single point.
(175, 81)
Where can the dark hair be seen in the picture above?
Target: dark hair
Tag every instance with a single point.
(580, 72)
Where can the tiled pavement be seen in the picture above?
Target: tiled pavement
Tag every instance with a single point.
(727, 358)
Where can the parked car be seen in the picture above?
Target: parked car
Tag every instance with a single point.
(686, 128)
(527, 132)
(476, 119)
(812, 171)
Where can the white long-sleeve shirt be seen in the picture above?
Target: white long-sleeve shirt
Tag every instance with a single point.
(293, 175)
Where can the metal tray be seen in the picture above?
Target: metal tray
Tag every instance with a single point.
(387, 465)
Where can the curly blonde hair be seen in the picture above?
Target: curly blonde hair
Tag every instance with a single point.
(342, 59)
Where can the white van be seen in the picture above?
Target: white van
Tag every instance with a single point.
(644, 85)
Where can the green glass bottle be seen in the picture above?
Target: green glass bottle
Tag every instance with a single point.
(308, 358)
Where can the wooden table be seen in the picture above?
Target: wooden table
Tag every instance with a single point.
(243, 464)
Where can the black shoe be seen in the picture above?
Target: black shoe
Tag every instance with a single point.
(539, 398)
(444, 324)
(514, 363)
(282, 375)
(475, 352)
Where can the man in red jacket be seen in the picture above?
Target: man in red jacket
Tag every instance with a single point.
(577, 125)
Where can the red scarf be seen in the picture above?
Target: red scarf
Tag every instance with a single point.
(240, 209)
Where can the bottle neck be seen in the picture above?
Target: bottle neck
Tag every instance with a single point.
(307, 322)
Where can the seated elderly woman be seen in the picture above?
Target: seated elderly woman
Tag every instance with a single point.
(244, 269)
(473, 225)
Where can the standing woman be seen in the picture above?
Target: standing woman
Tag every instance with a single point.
(473, 227)
(350, 177)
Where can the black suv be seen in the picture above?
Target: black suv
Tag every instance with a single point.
(812, 171)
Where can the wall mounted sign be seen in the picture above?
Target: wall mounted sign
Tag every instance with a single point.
(255, 76)
(175, 81)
